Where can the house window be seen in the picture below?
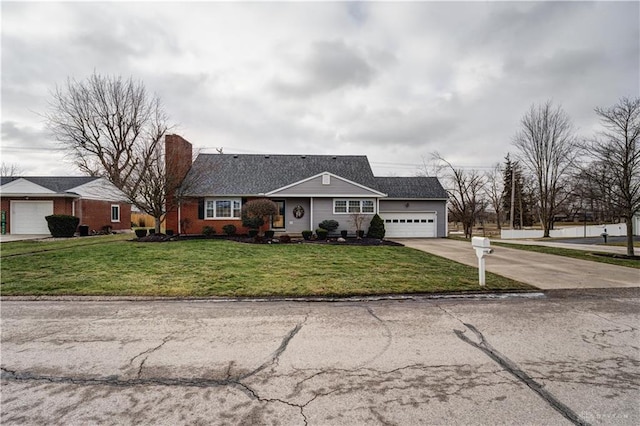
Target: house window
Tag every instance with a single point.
(115, 213)
(353, 206)
(367, 206)
(222, 209)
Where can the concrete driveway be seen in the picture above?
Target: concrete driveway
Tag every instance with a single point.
(22, 237)
(544, 271)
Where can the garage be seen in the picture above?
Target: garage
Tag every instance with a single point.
(409, 225)
(28, 217)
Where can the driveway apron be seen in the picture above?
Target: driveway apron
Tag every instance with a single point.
(544, 271)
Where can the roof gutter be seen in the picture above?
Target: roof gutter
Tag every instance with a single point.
(27, 195)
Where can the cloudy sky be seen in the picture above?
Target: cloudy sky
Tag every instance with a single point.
(393, 81)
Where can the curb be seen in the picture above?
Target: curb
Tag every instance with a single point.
(390, 297)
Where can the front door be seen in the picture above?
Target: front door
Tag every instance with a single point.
(277, 220)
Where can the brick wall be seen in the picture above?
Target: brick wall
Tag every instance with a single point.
(97, 214)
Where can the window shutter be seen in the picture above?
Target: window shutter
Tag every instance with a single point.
(200, 208)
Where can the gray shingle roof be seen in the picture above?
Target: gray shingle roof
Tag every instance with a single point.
(252, 174)
(249, 174)
(58, 184)
(411, 187)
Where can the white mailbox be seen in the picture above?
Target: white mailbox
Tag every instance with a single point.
(483, 248)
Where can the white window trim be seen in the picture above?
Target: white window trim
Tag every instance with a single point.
(117, 206)
(360, 201)
(214, 217)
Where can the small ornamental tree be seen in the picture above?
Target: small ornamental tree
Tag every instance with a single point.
(376, 228)
(254, 212)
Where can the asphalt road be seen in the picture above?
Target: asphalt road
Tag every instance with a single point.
(572, 357)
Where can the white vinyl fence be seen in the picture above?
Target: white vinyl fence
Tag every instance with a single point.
(613, 230)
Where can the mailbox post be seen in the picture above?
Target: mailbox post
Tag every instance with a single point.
(483, 248)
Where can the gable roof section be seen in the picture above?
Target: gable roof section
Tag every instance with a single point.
(315, 186)
(53, 184)
(250, 174)
(411, 187)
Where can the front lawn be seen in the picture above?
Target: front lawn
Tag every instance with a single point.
(203, 268)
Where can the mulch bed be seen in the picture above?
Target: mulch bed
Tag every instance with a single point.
(162, 238)
(617, 256)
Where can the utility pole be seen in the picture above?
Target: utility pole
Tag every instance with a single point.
(513, 193)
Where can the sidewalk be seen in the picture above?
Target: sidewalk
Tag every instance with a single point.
(583, 247)
(544, 271)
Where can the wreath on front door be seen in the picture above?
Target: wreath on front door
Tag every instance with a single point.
(298, 212)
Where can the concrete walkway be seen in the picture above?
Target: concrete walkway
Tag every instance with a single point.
(544, 271)
(573, 246)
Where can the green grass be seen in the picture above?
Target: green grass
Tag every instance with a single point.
(203, 268)
(576, 254)
(36, 246)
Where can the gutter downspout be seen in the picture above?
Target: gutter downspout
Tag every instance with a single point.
(179, 216)
(311, 214)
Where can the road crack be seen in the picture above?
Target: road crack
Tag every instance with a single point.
(522, 376)
(147, 353)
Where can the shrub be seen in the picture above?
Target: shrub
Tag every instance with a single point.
(252, 222)
(329, 225)
(253, 233)
(152, 231)
(208, 231)
(285, 238)
(141, 233)
(62, 225)
(269, 234)
(376, 228)
(307, 234)
(229, 229)
(322, 233)
(344, 233)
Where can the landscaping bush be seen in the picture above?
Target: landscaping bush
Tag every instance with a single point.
(253, 233)
(208, 231)
(307, 234)
(285, 238)
(376, 228)
(141, 233)
(229, 229)
(152, 231)
(344, 233)
(269, 234)
(322, 233)
(252, 222)
(62, 225)
(329, 225)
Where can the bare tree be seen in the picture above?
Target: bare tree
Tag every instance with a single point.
(114, 129)
(10, 170)
(548, 148)
(494, 190)
(465, 188)
(615, 152)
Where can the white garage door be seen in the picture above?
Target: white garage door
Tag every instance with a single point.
(27, 217)
(409, 225)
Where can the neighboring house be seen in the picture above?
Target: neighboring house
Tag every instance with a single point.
(27, 200)
(307, 189)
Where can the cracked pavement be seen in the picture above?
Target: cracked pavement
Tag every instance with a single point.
(568, 358)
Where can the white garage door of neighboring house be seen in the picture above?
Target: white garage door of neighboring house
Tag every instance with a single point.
(27, 217)
(409, 225)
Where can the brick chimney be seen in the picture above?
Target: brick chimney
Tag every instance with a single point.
(178, 153)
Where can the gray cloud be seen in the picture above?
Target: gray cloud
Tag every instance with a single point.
(395, 81)
(329, 66)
